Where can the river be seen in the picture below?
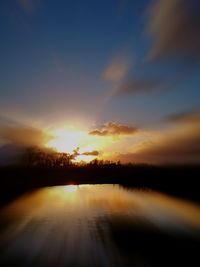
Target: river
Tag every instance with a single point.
(99, 225)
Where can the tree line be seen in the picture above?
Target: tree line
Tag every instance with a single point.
(37, 157)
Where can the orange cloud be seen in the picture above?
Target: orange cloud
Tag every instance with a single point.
(17, 133)
(179, 145)
(114, 129)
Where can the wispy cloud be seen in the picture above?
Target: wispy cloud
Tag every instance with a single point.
(138, 85)
(189, 116)
(174, 26)
(117, 69)
(114, 129)
(174, 29)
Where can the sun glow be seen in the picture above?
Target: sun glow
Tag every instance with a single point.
(66, 140)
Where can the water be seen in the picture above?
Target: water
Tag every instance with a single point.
(99, 225)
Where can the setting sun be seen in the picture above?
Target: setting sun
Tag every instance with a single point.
(66, 140)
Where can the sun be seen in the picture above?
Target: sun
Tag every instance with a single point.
(66, 140)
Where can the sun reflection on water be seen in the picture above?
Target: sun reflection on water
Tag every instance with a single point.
(83, 217)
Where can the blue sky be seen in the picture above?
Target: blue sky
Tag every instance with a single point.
(55, 53)
(62, 61)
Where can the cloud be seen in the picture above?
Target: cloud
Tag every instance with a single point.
(174, 26)
(192, 116)
(138, 86)
(25, 136)
(117, 69)
(15, 137)
(174, 29)
(180, 145)
(20, 134)
(114, 129)
(91, 153)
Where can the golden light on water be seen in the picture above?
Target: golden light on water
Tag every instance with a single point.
(82, 218)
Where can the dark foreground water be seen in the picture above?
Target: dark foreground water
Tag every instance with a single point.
(99, 225)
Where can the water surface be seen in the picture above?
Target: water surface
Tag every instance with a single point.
(98, 225)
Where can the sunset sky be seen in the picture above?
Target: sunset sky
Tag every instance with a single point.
(119, 78)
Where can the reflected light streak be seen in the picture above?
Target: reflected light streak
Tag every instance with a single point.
(82, 216)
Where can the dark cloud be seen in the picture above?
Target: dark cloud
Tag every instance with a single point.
(91, 153)
(114, 129)
(179, 146)
(174, 26)
(16, 137)
(77, 153)
(138, 86)
(192, 116)
(16, 133)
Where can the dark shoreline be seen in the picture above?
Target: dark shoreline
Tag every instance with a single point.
(181, 181)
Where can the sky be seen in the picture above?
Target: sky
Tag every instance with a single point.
(119, 78)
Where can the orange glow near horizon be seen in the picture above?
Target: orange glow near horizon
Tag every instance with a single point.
(66, 140)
